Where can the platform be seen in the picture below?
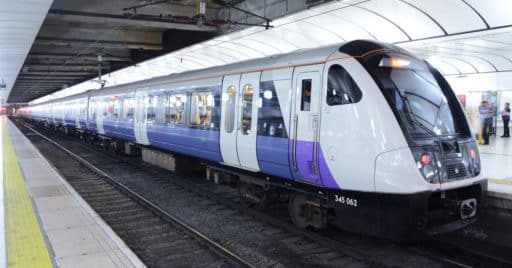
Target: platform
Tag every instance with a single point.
(47, 223)
(497, 166)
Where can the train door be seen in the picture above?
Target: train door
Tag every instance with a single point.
(305, 124)
(228, 122)
(101, 112)
(76, 112)
(139, 121)
(248, 120)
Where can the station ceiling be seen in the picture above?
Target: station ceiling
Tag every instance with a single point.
(458, 36)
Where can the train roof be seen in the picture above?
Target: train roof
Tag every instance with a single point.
(280, 61)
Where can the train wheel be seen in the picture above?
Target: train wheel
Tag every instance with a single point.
(305, 212)
(252, 195)
(296, 207)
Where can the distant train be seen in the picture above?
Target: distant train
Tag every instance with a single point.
(363, 135)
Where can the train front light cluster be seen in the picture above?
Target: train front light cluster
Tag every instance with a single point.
(438, 166)
(426, 164)
(474, 158)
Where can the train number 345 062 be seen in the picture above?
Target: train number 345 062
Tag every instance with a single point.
(345, 200)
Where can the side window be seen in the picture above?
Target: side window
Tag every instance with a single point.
(229, 124)
(128, 108)
(115, 108)
(305, 103)
(246, 109)
(177, 103)
(150, 108)
(111, 107)
(341, 88)
(201, 105)
(270, 117)
(103, 107)
(160, 109)
(92, 109)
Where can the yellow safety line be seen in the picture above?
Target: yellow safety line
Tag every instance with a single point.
(500, 181)
(25, 243)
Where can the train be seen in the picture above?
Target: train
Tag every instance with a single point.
(361, 135)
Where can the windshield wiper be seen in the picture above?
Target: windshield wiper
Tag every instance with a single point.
(411, 116)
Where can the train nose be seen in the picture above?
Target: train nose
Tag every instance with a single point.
(468, 208)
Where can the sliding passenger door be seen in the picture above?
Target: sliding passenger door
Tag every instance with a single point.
(305, 124)
(228, 122)
(248, 120)
(139, 120)
(101, 112)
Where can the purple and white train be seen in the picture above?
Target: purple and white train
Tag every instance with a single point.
(363, 135)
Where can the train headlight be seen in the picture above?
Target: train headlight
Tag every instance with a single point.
(474, 158)
(426, 164)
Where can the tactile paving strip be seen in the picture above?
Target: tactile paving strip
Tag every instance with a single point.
(25, 242)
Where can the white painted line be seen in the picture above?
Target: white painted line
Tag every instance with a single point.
(3, 250)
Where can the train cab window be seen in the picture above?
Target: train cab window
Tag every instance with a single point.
(305, 103)
(177, 104)
(246, 119)
(201, 107)
(341, 88)
(230, 102)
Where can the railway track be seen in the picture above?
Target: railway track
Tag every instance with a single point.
(157, 237)
(292, 250)
(321, 245)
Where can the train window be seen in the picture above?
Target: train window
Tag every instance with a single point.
(177, 104)
(160, 109)
(102, 107)
(270, 117)
(305, 103)
(128, 108)
(92, 109)
(246, 109)
(230, 109)
(341, 88)
(201, 106)
(151, 102)
(115, 108)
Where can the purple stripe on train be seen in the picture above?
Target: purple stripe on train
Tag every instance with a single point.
(305, 165)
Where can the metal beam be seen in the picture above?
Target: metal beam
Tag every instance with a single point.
(85, 43)
(56, 73)
(37, 82)
(70, 56)
(34, 80)
(66, 67)
(46, 74)
(131, 21)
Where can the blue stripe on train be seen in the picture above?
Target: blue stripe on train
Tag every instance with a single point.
(122, 129)
(273, 156)
(195, 142)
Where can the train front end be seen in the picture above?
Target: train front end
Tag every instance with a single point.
(434, 185)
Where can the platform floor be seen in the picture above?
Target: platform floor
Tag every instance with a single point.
(46, 222)
(497, 165)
